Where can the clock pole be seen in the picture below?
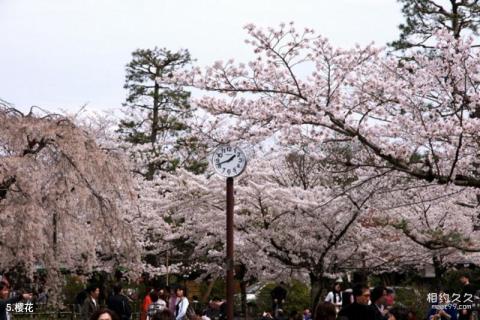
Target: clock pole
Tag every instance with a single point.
(230, 264)
(229, 162)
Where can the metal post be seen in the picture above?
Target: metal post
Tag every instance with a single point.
(168, 271)
(230, 288)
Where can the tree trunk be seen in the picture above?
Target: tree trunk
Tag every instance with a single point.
(455, 21)
(318, 286)
(55, 233)
(439, 271)
(243, 292)
(156, 107)
(240, 272)
(154, 132)
(209, 290)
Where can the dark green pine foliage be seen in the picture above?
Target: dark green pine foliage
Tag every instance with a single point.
(425, 17)
(156, 122)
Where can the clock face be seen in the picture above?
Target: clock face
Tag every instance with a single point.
(229, 161)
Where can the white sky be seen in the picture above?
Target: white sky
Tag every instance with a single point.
(61, 54)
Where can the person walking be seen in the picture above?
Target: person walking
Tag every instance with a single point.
(181, 304)
(79, 300)
(279, 295)
(377, 297)
(467, 296)
(156, 306)
(172, 299)
(307, 315)
(390, 299)
(145, 303)
(7, 303)
(325, 311)
(91, 305)
(165, 314)
(104, 314)
(347, 297)
(335, 296)
(359, 309)
(443, 309)
(398, 313)
(119, 303)
(42, 298)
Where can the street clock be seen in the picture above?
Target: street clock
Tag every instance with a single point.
(229, 161)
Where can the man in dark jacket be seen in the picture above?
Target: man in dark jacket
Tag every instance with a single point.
(377, 297)
(90, 305)
(217, 309)
(359, 309)
(468, 293)
(119, 303)
(6, 303)
(278, 294)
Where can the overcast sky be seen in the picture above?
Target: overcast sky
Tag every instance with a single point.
(61, 54)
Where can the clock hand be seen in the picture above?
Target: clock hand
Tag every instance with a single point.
(228, 160)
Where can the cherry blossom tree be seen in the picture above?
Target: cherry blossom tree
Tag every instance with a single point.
(435, 221)
(291, 221)
(64, 201)
(411, 121)
(412, 117)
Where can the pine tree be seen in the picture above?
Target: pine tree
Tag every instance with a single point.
(157, 116)
(424, 17)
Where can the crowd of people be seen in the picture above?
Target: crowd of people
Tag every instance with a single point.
(363, 303)
(157, 304)
(357, 303)
(6, 300)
